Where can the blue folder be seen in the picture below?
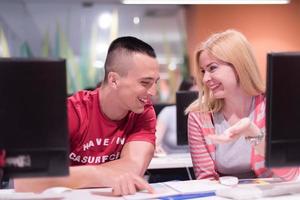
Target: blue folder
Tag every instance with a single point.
(189, 196)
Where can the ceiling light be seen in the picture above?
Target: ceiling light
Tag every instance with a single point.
(136, 20)
(104, 20)
(186, 2)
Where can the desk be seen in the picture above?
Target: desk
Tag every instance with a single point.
(174, 166)
(83, 194)
(103, 193)
(174, 160)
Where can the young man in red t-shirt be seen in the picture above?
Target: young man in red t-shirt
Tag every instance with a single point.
(2, 163)
(112, 129)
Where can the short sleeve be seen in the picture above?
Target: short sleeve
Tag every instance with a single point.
(76, 116)
(73, 119)
(144, 126)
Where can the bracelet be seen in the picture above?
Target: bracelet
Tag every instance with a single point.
(255, 140)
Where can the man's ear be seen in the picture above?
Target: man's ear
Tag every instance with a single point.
(113, 79)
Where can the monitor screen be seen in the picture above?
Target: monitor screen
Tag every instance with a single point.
(33, 117)
(283, 109)
(183, 100)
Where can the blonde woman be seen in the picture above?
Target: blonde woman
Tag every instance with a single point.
(226, 125)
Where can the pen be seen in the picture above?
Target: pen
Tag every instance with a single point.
(189, 196)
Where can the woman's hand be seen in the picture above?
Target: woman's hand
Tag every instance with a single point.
(244, 127)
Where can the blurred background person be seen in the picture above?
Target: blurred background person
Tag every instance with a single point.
(166, 126)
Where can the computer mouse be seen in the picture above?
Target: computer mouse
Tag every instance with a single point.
(229, 180)
(56, 190)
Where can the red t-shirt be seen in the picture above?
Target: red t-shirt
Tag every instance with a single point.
(2, 159)
(95, 139)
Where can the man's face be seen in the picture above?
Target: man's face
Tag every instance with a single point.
(136, 88)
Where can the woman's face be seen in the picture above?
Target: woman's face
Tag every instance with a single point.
(218, 76)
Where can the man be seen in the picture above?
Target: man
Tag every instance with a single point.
(2, 162)
(112, 129)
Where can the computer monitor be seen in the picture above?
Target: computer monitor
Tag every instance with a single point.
(158, 107)
(283, 109)
(33, 117)
(183, 100)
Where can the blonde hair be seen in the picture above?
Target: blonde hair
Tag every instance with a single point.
(233, 48)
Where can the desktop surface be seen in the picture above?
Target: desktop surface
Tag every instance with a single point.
(165, 190)
(173, 166)
(172, 160)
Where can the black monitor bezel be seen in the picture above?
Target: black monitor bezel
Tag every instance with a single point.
(280, 152)
(45, 160)
(181, 117)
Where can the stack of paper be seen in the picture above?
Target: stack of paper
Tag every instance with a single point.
(180, 189)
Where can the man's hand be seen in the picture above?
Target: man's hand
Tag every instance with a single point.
(244, 127)
(121, 182)
(126, 183)
(123, 175)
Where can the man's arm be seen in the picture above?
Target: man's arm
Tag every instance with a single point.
(123, 175)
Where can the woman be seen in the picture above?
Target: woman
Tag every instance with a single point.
(226, 125)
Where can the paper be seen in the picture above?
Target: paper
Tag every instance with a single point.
(161, 190)
(195, 186)
(172, 188)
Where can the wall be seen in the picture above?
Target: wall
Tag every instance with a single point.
(267, 27)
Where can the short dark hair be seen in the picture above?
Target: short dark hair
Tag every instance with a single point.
(127, 44)
(187, 83)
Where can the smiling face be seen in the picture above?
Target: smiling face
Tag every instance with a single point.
(219, 77)
(135, 88)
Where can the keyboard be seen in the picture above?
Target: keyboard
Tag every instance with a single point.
(244, 192)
